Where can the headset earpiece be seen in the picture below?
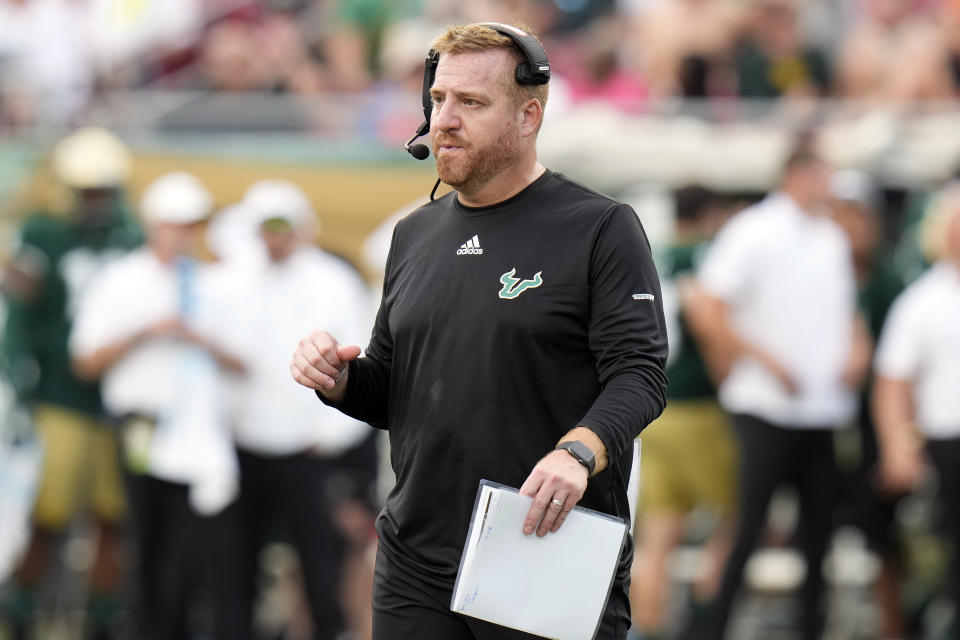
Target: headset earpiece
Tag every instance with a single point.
(524, 75)
(536, 69)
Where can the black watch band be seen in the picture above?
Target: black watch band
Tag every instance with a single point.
(581, 453)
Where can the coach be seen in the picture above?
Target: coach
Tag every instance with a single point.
(534, 362)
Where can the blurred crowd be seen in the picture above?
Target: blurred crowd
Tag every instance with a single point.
(150, 349)
(56, 56)
(814, 333)
(813, 350)
(149, 410)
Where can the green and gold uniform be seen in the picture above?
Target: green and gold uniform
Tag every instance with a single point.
(64, 255)
(688, 452)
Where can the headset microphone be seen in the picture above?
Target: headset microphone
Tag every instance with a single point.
(418, 151)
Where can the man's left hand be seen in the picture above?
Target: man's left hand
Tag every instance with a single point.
(556, 485)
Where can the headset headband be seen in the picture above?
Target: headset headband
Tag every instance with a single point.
(533, 71)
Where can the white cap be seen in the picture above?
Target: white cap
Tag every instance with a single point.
(854, 186)
(232, 233)
(91, 158)
(177, 198)
(268, 199)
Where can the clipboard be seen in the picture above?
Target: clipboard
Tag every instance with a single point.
(556, 586)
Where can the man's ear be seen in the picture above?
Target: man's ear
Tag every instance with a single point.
(531, 113)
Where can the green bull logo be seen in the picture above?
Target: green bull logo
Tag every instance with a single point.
(513, 287)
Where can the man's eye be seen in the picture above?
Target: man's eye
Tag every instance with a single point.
(437, 100)
(470, 102)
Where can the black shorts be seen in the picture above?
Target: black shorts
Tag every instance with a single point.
(406, 607)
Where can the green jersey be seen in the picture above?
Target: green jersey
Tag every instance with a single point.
(686, 373)
(67, 256)
(876, 295)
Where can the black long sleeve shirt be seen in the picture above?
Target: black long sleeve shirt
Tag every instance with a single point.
(502, 328)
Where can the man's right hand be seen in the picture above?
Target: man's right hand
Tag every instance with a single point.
(320, 363)
(779, 371)
(901, 469)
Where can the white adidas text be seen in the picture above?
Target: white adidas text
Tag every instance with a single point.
(471, 247)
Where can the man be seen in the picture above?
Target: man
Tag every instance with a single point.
(915, 401)
(158, 327)
(855, 205)
(55, 261)
(290, 449)
(519, 311)
(779, 299)
(775, 60)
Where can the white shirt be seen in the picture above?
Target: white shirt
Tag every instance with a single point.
(134, 293)
(44, 48)
(123, 31)
(787, 279)
(310, 290)
(921, 344)
(170, 380)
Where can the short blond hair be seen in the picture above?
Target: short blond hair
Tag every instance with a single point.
(477, 37)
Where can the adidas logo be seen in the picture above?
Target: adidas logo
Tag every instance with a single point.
(471, 247)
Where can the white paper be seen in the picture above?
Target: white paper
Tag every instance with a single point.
(555, 586)
(633, 486)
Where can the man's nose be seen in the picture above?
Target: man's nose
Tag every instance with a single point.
(446, 115)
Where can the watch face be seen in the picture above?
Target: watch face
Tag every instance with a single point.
(581, 452)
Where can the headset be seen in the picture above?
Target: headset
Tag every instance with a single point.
(534, 70)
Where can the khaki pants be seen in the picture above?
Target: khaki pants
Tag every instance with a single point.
(81, 468)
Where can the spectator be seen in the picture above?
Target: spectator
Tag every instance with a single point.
(915, 399)
(779, 296)
(57, 258)
(157, 326)
(46, 72)
(128, 38)
(774, 61)
(229, 59)
(259, 53)
(601, 75)
(686, 45)
(290, 59)
(688, 452)
(290, 450)
(894, 52)
(346, 37)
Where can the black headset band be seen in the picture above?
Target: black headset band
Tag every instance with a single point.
(429, 73)
(539, 66)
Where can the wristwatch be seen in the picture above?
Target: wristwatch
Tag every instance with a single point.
(581, 453)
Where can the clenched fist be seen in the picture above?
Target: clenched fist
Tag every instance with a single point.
(320, 363)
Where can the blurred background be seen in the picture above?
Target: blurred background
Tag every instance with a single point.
(648, 100)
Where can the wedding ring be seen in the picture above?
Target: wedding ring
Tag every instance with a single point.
(559, 503)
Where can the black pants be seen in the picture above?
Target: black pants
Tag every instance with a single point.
(771, 456)
(945, 455)
(864, 504)
(406, 607)
(180, 588)
(286, 497)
